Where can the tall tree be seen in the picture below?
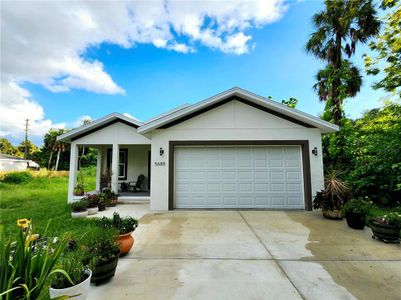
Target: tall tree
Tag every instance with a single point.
(29, 146)
(388, 49)
(51, 146)
(339, 28)
(7, 148)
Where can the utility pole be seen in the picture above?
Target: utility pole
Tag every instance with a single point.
(26, 139)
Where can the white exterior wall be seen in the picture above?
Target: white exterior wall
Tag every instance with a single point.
(13, 165)
(232, 121)
(115, 134)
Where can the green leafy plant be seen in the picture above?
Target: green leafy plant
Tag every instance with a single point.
(359, 205)
(101, 245)
(390, 219)
(92, 200)
(123, 225)
(79, 206)
(109, 197)
(17, 177)
(71, 263)
(26, 265)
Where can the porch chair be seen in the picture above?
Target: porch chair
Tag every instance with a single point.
(136, 186)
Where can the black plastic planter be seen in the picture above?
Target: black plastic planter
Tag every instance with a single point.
(104, 271)
(355, 220)
(385, 233)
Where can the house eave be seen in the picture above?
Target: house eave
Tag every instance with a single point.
(324, 126)
(96, 125)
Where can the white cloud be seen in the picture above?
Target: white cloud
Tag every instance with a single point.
(45, 42)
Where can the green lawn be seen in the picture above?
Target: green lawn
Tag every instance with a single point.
(42, 199)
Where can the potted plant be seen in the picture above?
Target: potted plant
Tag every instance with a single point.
(78, 209)
(105, 180)
(101, 202)
(110, 197)
(79, 188)
(386, 228)
(125, 226)
(104, 252)
(76, 285)
(28, 264)
(355, 212)
(92, 204)
(333, 197)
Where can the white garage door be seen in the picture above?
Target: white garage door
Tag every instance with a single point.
(238, 177)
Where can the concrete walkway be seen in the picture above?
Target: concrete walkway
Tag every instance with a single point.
(253, 255)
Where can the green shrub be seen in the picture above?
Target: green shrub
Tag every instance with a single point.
(391, 219)
(17, 177)
(123, 225)
(371, 154)
(78, 206)
(71, 263)
(358, 206)
(100, 245)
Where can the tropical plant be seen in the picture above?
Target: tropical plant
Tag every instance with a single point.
(371, 154)
(123, 225)
(339, 28)
(26, 265)
(80, 205)
(388, 49)
(334, 195)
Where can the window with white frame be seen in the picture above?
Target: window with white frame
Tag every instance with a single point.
(122, 162)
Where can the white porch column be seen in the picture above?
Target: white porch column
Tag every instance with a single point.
(72, 180)
(99, 167)
(114, 168)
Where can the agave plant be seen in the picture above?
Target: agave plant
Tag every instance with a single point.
(25, 265)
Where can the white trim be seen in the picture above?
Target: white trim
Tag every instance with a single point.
(66, 137)
(324, 126)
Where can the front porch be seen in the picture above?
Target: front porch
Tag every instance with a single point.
(118, 168)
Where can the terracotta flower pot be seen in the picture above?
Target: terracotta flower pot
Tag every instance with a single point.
(126, 242)
(335, 214)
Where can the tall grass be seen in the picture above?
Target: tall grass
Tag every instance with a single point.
(40, 199)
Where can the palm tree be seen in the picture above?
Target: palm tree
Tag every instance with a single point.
(339, 28)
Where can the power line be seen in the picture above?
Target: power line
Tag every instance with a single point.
(26, 138)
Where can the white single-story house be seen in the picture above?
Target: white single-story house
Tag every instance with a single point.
(233, 150)
(14, 163)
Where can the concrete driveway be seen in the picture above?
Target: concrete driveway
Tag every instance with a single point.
(253, 255)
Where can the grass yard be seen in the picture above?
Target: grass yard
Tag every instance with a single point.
(41, 199)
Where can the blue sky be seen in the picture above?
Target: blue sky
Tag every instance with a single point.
(157, 79)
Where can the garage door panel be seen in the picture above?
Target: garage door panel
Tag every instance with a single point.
(238, 177)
